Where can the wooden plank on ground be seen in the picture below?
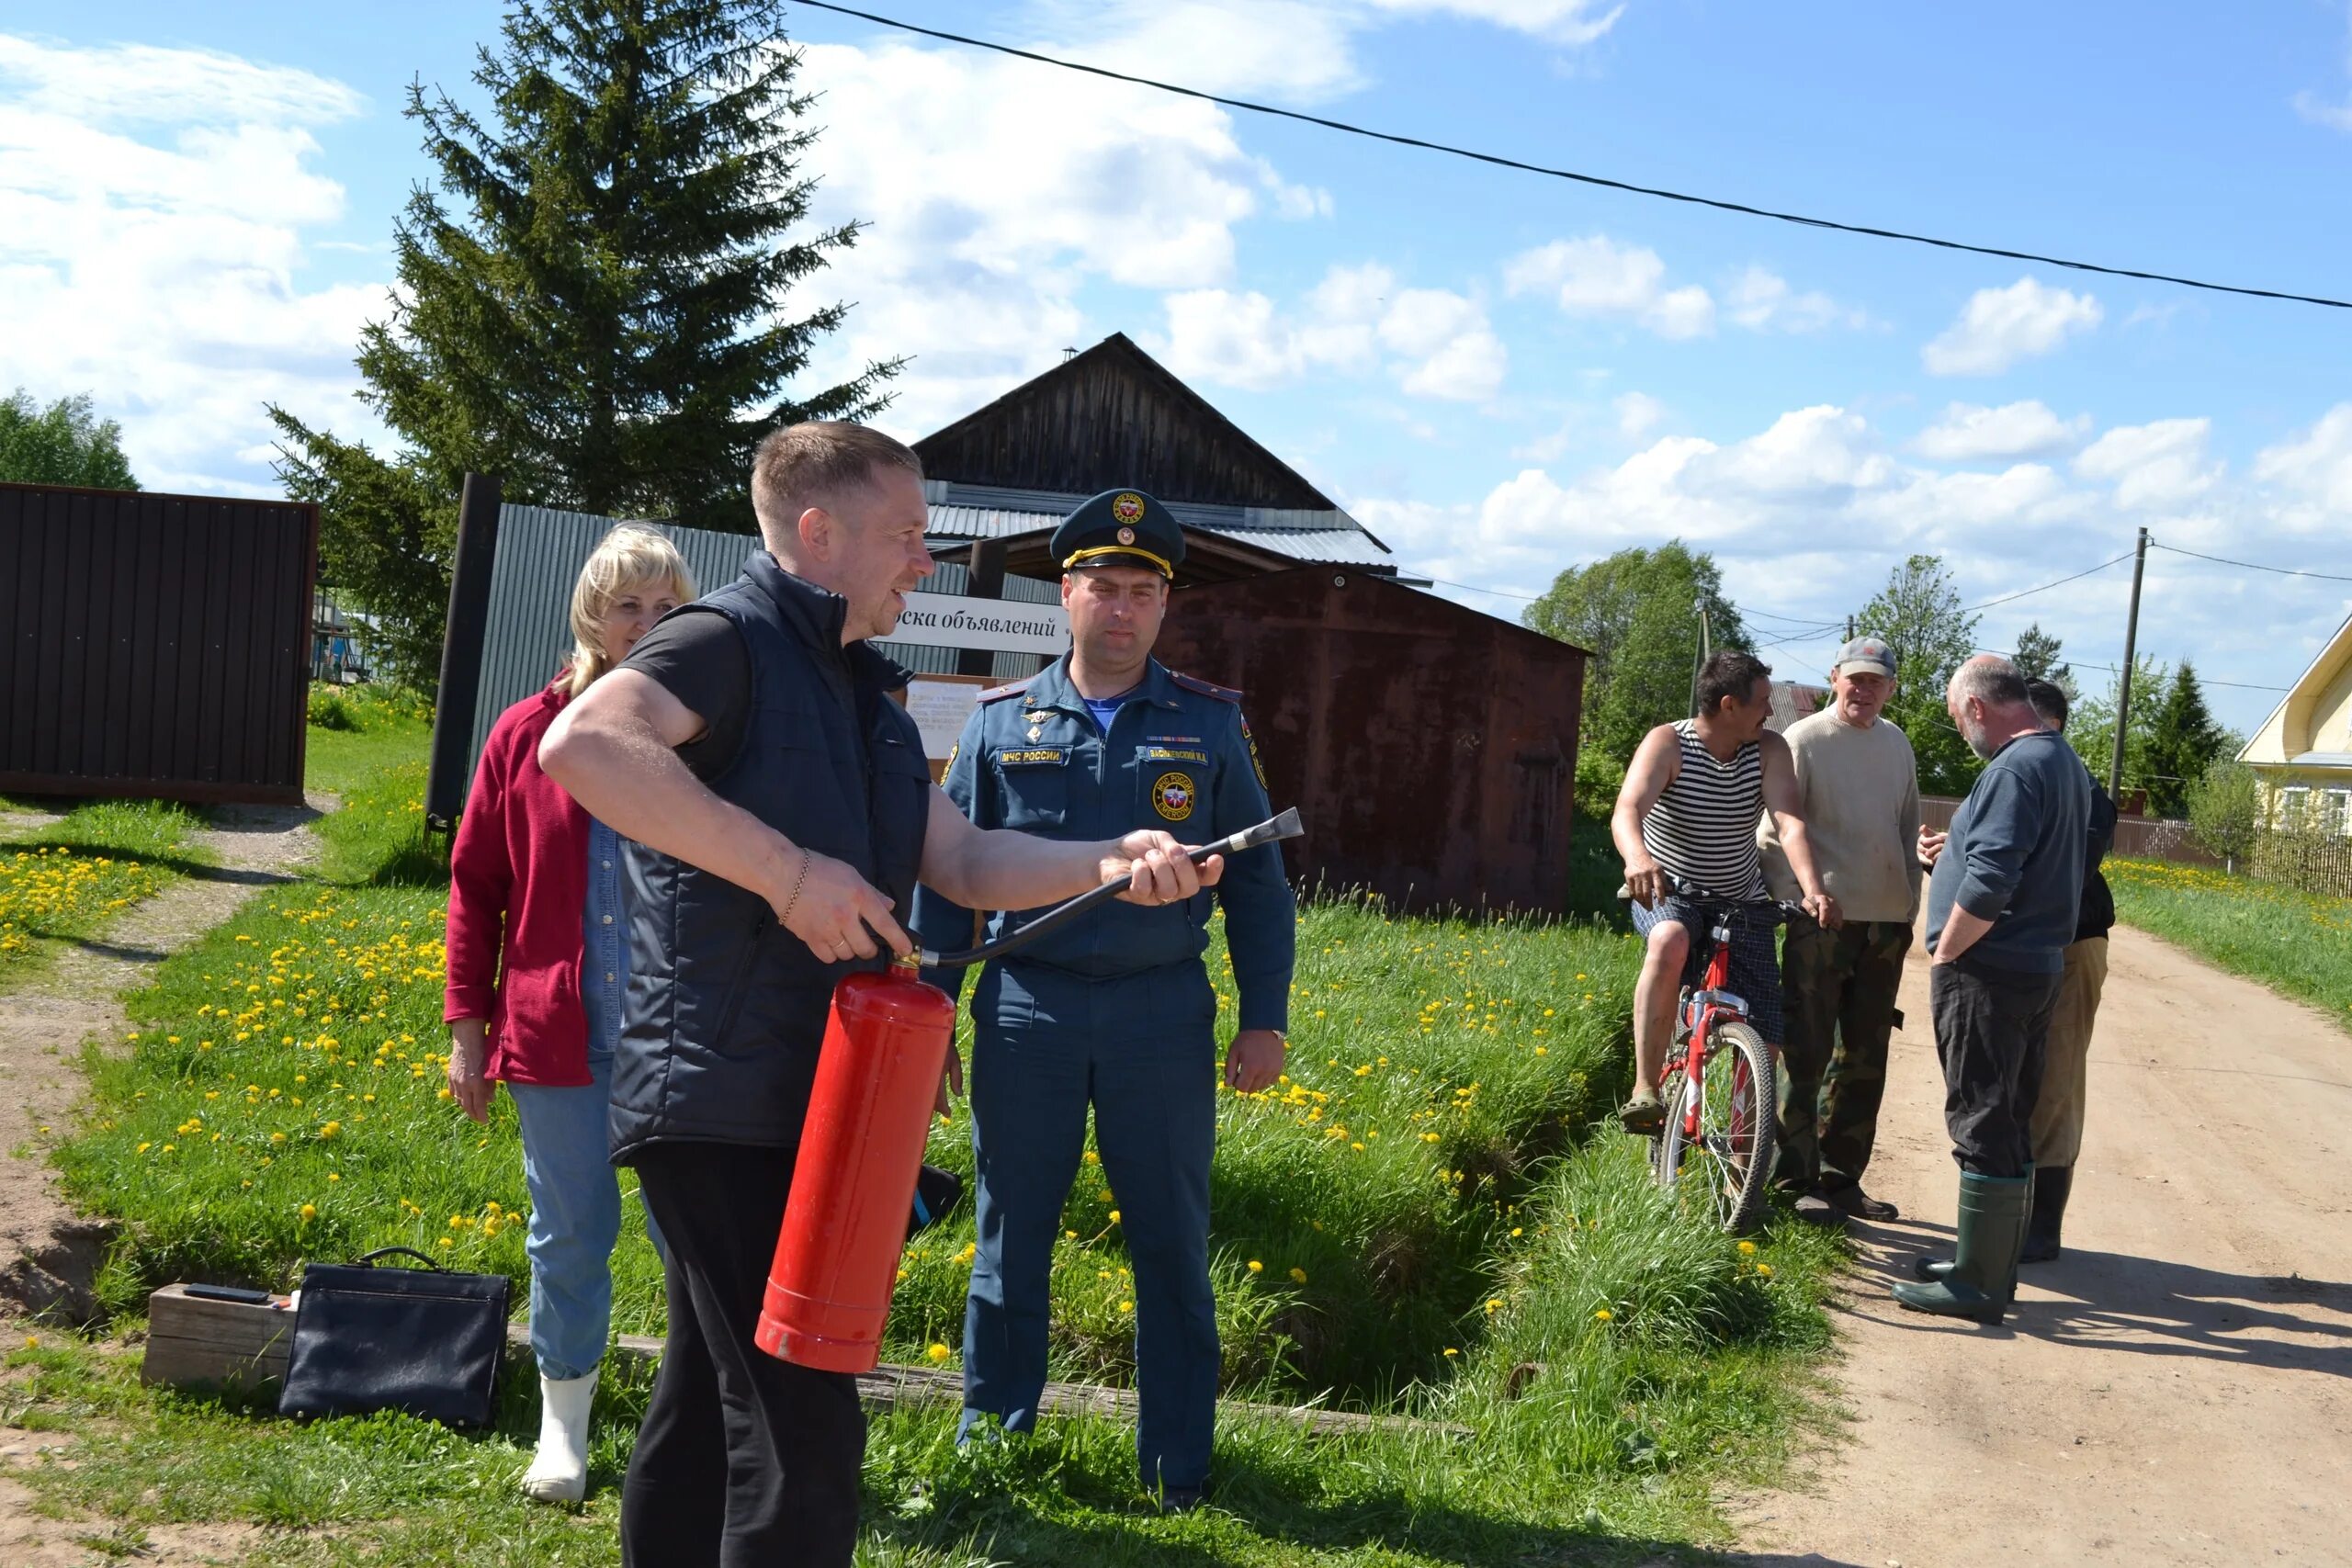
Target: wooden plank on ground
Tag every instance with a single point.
(195, 1343)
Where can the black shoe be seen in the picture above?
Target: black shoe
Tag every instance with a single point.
(1850, 1201)
(1180, 1499)
(1815, 1209)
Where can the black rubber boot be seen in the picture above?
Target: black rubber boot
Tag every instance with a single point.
(2051, 1188)
(1984, 1276)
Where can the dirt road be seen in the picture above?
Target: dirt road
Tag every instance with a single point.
(2177, 1387)
(48, 1253)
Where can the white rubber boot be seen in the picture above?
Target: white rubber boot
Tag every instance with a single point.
(558, 1471)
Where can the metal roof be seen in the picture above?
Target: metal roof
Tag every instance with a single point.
(1319, 537)
(2322, 759)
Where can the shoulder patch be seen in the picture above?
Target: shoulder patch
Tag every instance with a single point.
(1206, 688)
(1010, 688)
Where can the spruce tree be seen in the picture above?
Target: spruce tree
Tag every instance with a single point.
(2183, 742)
(1918, 614)
(2037, 660)
(593, 290)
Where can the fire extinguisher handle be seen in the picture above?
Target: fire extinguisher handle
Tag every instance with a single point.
(1286, 825)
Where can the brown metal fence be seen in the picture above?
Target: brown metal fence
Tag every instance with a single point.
(154, 645)
(2136, 838)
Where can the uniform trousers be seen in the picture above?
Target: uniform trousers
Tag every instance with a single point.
(1992, 1025)
(2066, 1072)
(1837, 994)
(1141, 1049)
(742, 1459)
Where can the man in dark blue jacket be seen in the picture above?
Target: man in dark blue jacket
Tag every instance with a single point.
(1119, 1014)
(2002, 903)
(779, 810)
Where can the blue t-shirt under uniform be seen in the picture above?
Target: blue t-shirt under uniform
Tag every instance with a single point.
(2016, 855)
(1105, 709)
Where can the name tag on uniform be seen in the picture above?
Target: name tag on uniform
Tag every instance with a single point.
(1036, 756)
(1159, 753)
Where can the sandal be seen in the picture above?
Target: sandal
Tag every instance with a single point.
(1643, 1114)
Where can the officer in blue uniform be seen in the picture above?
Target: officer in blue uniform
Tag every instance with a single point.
(1115, 1010)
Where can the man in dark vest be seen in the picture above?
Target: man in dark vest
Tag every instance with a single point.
(779, 809)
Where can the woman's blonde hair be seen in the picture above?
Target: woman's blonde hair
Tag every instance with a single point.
(632, 556)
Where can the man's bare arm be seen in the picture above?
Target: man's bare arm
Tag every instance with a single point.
(1006, 869)
(1655, 763)
(612, 750)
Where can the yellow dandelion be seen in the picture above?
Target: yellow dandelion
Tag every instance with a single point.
(310, 1210)
(1126, 1306)
(1746, 1247)
(1256, 1267)
(1298, 1276)
(937, 1352)
(1603, 1313)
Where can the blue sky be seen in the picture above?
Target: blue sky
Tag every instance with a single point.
(1500, 375)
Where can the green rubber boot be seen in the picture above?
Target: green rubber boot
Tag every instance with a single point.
(1984, 1276)
(1941, 1267)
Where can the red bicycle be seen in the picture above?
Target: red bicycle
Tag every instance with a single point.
(1721, 1084)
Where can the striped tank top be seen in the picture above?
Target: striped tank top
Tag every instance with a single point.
(1703, 828)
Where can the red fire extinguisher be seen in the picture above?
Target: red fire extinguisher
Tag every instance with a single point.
(853, 1181)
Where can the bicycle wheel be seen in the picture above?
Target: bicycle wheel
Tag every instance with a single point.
(1728, 1167)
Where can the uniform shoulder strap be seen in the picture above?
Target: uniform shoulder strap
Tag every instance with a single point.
(1010, 688)
(1206, 688)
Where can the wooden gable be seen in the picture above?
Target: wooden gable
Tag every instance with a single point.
(1113, 416)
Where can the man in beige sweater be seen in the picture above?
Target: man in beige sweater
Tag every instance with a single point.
(1860, 789)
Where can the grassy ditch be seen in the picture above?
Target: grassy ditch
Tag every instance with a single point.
(2297, 943)
(1422, 1218)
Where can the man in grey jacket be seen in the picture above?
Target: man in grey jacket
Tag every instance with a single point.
(2002, 904)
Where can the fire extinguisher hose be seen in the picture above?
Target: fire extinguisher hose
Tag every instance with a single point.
(1286, 825)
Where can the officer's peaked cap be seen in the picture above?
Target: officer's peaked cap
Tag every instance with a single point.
(1119, 528)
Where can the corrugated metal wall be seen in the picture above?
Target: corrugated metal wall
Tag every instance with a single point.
(1432, 749)
(540, 552)
(155, 646)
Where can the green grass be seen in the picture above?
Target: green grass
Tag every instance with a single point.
(1465, 1247)
(63, 882)
(2297, 943)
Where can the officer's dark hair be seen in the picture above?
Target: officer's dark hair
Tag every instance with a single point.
(2048, 700)
(1730, 674)
(813, 464)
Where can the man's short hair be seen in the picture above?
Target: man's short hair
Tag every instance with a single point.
(1993, 682)
(1729, 674)
(814, 464)
(2048, 700)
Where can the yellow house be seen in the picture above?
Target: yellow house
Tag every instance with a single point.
(2303, 750)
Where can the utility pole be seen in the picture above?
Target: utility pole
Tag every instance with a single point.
(1850, 629)
(1699, 663)
(2123, 691)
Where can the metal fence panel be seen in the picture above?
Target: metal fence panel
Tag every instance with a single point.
(155, 646)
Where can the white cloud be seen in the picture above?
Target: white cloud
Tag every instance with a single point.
(1304, 51)
(1761, 300)
(2000, 326)
(1638, 413)
(1595, 275)
(2319, 111)
(1434, 343)
(2157, 466)
(155, 206)
(2313, 469)
(991, 206)
(1970, 432)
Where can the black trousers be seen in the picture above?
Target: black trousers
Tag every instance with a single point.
(1991, 1026)
(744, 1459)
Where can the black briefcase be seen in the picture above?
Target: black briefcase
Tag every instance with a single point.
(427, 1341)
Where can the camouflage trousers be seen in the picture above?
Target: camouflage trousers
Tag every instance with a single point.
(1838, 990)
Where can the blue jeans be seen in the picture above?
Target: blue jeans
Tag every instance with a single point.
(575, 1219)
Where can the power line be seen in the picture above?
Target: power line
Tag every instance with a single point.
(1500, 161)
(1969, 609)
(2249, 565)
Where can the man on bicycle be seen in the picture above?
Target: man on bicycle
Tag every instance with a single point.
(1693, 796)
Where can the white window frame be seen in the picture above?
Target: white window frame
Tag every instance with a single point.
(2294, 802)
(2335, 813)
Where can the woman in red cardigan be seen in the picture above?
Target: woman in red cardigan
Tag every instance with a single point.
(538, 964)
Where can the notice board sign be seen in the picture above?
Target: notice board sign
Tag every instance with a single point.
(1000, 625)
(939, 705)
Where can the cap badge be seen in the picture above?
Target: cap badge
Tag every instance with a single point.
(1126, 536)
(1128, 507)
